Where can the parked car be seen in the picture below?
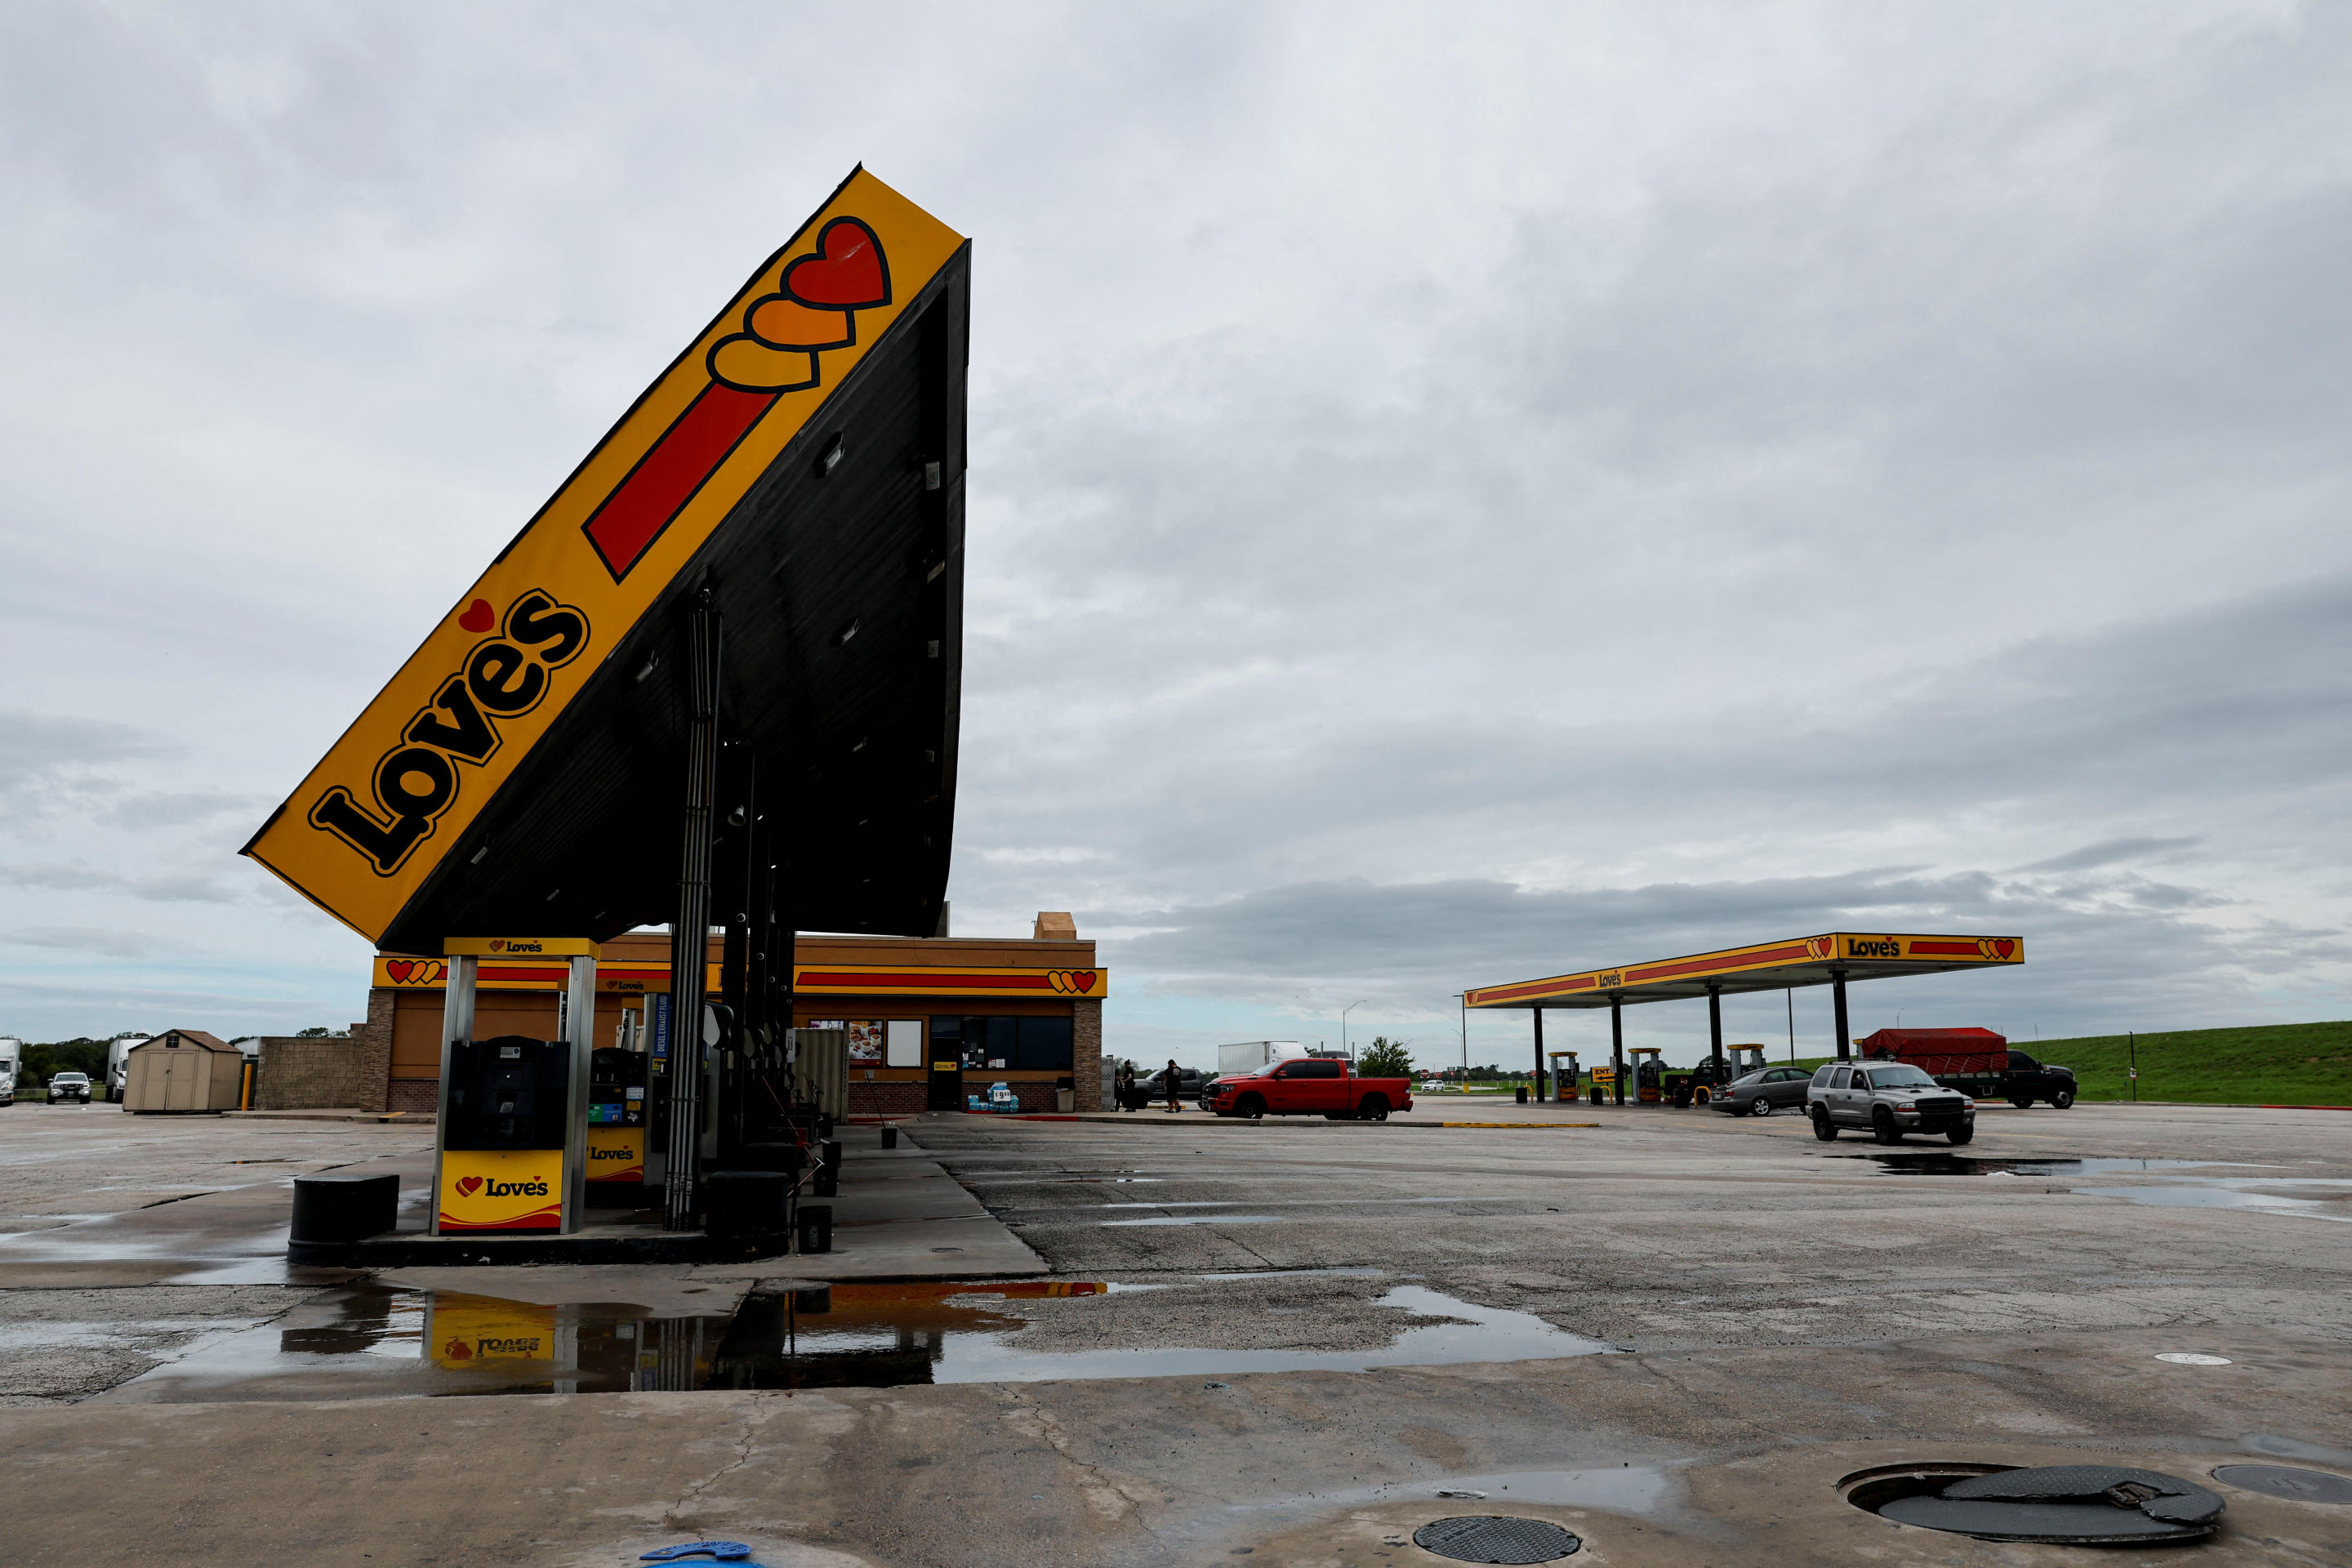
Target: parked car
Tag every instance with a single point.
(2023, 1082)
(1890, 1099)
(1318, 1086)
(69, 1086)
(1762, 1093)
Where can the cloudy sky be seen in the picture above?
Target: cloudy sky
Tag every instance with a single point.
(1458, 493)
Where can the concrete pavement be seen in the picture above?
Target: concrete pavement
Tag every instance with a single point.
(1790, 1312)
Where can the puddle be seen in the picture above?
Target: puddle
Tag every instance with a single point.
(2230, 1196)
(1197, 1219)
(373, 1341)
(370, 1342)
(1936, 1162)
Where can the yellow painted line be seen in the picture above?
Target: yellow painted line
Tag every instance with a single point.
(1529, 1124)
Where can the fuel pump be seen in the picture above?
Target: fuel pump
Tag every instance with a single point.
(511, 1140)
(616, 1128)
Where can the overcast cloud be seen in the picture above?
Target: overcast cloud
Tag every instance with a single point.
(1458, 493)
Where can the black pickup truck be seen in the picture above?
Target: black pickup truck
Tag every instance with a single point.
(2025, 1082)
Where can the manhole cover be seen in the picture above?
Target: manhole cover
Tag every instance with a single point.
(2282, 1481)
(1495, 1538)
(2078, 1504)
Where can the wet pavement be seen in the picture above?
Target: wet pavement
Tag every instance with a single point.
(1672, 1337)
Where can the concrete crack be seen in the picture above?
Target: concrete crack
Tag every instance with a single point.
(676, 1515)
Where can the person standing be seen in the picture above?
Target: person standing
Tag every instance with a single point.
(1175, 1076)
(1125, 1088)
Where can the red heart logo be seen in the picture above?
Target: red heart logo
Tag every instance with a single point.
(498, 944)
(478, 616)
(847, 273)
(1084, 979)
(457, 1350)
(468, 1186)
(400, 969)
(2005, 947)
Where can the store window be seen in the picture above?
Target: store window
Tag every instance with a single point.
(1003, 1045)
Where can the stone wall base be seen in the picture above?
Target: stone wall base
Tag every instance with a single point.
(418, 1096)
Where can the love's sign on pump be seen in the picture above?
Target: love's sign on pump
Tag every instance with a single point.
(399, 790)
(512, 1189)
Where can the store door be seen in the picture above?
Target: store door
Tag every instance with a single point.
(947, 1078)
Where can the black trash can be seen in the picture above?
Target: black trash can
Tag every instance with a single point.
(889, 1138)
(745, 1203)
(1523, 1094)
(343, 1207)
(817, 1227)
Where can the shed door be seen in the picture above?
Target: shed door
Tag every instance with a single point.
(179, 1081)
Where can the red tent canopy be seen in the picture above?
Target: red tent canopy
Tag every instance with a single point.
(1940, 1050)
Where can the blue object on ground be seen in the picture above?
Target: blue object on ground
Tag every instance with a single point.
(719, 1551)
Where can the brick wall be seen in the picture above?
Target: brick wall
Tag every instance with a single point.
(314, 1074)
(417, 1095)
(886, 1099)
(1085, 1054)
(375, 1050)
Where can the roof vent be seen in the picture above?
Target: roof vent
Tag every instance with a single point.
(1056, 925)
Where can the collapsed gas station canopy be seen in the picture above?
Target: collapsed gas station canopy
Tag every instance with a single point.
(1766, 966)
(795, 476)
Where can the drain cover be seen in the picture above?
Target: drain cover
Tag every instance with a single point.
(2078, 1504)
(1495, 1538)
(2280, 1480)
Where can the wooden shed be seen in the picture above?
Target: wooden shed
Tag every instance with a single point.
(183, 1070)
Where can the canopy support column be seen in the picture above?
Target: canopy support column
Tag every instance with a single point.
(689, 943)
(1537, 1013)
(1617, 1044)
(1837, 998)
(1715, 1032)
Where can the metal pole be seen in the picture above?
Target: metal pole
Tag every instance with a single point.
(2132, 1041)
(689, 940)
(457, 1024)
(1539, 1061)
(1617, 1044)
(1714, 1033)
(1837, 1000)
(1790, 993)
(1464, 997)
(579, 1039)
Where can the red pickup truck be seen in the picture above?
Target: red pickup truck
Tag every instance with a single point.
(1311, 1086)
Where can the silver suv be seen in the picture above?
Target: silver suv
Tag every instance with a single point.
(1889, 1099)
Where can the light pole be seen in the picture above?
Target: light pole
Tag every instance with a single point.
(1343, 1028)
(1463, 997)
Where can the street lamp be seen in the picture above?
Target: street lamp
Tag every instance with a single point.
(1343, 1028)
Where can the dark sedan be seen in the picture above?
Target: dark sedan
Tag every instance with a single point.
(1762, 1093)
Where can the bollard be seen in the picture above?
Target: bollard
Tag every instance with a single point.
(817, 1227)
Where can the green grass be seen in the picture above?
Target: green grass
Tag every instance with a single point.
(2267, 1064)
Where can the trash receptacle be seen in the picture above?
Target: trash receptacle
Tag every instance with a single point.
(343, 1208)
(890, 1137)
(1523, 1094)
(1065, 1100)
(817, 1227)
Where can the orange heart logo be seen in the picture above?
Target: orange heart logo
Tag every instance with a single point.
(468, 1186)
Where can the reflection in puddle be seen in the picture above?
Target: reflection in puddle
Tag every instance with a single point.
(370, 1341)
(1197, 1219)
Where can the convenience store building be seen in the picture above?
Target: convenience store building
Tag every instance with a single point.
(929, 1020)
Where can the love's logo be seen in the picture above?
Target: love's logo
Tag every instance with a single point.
(414, 971)
(468, 1186)
(1818, 947)
(502, 677)
(1995, 946)
(1071, 981)
(457, 1349)
(814, 309)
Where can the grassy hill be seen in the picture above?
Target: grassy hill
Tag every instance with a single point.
(2268, 1064)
